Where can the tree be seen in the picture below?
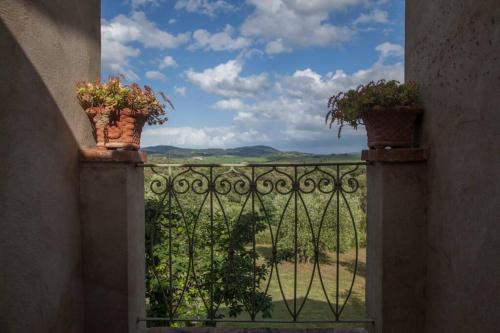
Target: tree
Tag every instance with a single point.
(196, 265)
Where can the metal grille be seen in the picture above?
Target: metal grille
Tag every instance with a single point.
(219, 237)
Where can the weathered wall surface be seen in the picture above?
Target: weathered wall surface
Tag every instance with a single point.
(113, 244)
(46, 47)
(453, 52)
(395, 264)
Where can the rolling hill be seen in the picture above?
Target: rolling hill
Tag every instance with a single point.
(252, 154)
(176, 152)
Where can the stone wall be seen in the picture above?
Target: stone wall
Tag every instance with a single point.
(453, 52)
(46, 47)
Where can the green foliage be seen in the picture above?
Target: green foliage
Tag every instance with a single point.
(314, 226)
(347, 107)
(236, 287)
(225, 276)
(162, 292)
(111, 96)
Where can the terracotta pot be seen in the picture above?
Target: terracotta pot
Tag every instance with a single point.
(390, 127)
(119, 129)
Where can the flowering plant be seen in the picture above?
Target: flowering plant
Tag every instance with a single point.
(112, 96)
(347, 107)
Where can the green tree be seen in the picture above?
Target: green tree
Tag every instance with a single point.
(224, 269)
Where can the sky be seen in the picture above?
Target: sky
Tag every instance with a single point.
(253, 72)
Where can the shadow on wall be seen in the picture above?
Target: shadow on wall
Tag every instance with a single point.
(42, 128)
(68, 14)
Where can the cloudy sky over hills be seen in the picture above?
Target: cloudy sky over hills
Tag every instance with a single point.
(251, 72)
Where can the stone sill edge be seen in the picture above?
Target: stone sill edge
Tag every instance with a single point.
(94, 155)
(397, 155)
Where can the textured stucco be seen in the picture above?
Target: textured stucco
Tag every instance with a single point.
(112, 214)
(453, 52)
(396, 246)
(46, 47)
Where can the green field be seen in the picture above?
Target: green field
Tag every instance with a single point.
(230, 159)
(251, 154)
(316, 307)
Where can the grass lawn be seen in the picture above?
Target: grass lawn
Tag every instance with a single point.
(316, 306)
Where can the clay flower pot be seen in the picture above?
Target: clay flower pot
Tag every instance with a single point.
(118, 129)
(390, 127)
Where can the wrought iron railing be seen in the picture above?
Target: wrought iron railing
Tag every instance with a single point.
(233, 243)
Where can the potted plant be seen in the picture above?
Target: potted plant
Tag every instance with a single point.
(118, 112)
(388, 109)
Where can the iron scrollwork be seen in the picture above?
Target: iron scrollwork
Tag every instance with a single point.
(210, 189)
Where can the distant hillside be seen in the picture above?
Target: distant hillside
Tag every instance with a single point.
(250, 154)
(176, 152)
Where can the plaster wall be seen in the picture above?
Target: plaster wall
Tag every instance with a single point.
(396, 232)
(453, 52)
(113, 246)
(46, 47)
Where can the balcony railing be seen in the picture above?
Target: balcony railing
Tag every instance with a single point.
(271, 243)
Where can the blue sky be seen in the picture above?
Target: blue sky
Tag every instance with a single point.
(248, 72)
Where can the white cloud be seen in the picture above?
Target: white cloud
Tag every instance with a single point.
(156, 75)
(245, 117)
(119, 33)
(167, 61)
(313, 6)
(295, 111)
(289, 114)
(172, 21)
(249, 53)
(387, 50)
(376, 16)
(297, 23)
(207, 137)
(115, 57)
(309, 85)
(229, 104)
(277, 46)
(220, 41)
(137, 28)
(225, 80)
(180, 91)
(128, 73)
(206, 7)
